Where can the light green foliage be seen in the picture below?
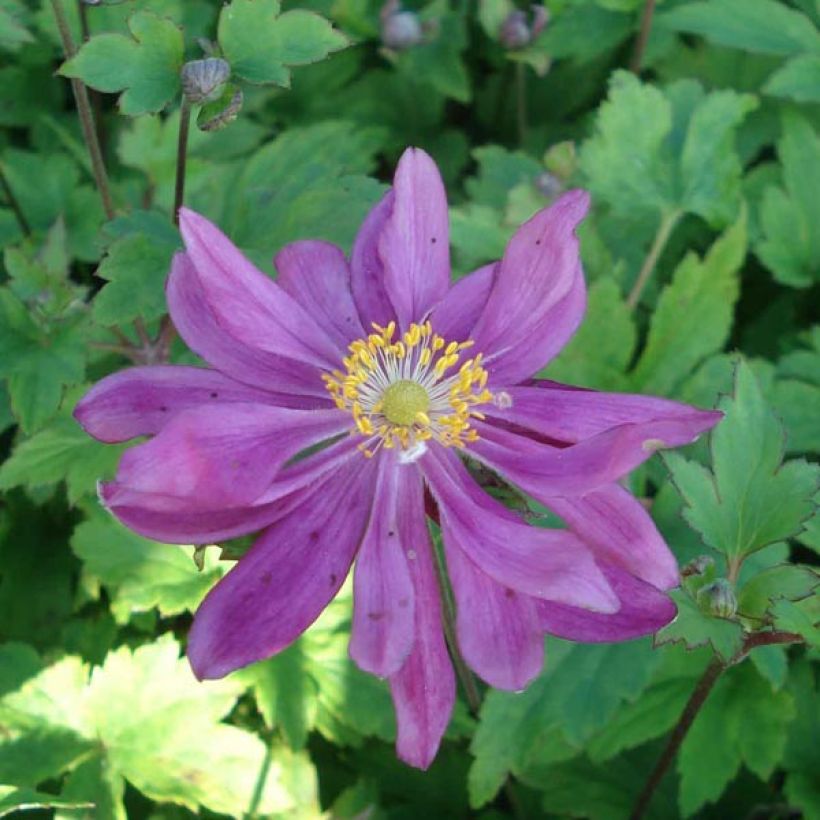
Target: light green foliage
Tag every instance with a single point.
(14, 32)
(144, 66)
(153, 721)
(743, 721)
(13, 800)
(790, 242)
(798, 79)
(260, 43)
(749, 499)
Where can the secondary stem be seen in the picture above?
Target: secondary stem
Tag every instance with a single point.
(182, 156)
(693, 705)
(521, 101)
(14, 204)
(86, 116)
(643, 36)
(668, 223)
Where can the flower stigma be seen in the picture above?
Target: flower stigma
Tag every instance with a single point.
(405, 391)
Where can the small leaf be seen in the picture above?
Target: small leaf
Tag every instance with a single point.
(798, 79)
(146, 67)
(786, 581)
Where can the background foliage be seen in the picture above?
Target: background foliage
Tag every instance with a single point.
(703, 258)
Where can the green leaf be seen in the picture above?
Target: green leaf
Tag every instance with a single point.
(801, 618)
(14, 800)
(742, 721)
(13, 31)
(694, 314)
(142, 574)
(762, 26)
(145, 66)
(260, 43)
(499, 171)
(786, 581)
(750, 499)
(790, 245)
(798, 79)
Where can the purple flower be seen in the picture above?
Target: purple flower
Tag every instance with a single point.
(390, 377)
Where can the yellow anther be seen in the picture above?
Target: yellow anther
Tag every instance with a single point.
(423, 418)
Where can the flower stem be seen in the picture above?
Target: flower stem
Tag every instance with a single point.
(14, 204)
(668, 223)
(182, 156)
(521, 101)
(643, 36)
(86, 116)
(693, 705)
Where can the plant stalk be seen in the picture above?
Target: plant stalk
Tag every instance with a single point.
(643, 37)
(521, 101)
(182, 156)
(14, 204)
(668, 223)
(86, 116)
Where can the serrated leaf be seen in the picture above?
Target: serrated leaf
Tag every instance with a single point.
(787, 581)
(750, 499)
(144, 66)
(694, 314)
(742, 721)
(798, 79)
(261, 44)
(801, 618)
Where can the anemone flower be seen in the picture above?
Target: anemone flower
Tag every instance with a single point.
(352, 399)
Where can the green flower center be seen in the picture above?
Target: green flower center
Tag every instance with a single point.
(403, 401)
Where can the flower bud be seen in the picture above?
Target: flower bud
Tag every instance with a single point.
(518, 32)
(548, 185)
(400, 29)
(203, 80)
(718, 599)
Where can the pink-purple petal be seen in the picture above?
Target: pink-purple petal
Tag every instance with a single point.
(644, 610)
(287, 578)
(619, 530)
(497, 628)
(550, 564)
(249, 304)
(454, 317)
(383, 599)
(424, 689)
(518, 330)
(316, 275)
(198, 325)
(414, 244)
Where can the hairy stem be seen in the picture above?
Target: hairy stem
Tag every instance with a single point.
(86, 116)
(701, 692)
(94, 96)
(643, 36)
(14, 204)
(521, 101)
(668, 223)
(182, 156)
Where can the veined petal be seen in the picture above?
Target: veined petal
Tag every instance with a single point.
(249, 304)
(550, 564)
(615, 525)
(644, 610)
(383, 598)
(498, 630)
(287, 578)
(181, 520)
(544, 470)
(316, 275)
(454, 317)
(424, 689)
(573, 414)
(198, 325)
(367, 270)
(414, 244)
(518, 330)
(140, 401)
(224, 455)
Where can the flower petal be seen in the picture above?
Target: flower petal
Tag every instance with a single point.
(615, 525)
(383, 605)
(415, 243)
(367, 270)
(316, 275)
(537, 299)
(498, 630)
(198, 325)
(424, 689)
(224, 455)
(550, 564)
(644, 610)
(541, 469)
(248, 304)
(454, 317)
(287, 578)
(573, 414)
(140, 401)
(175, 520)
